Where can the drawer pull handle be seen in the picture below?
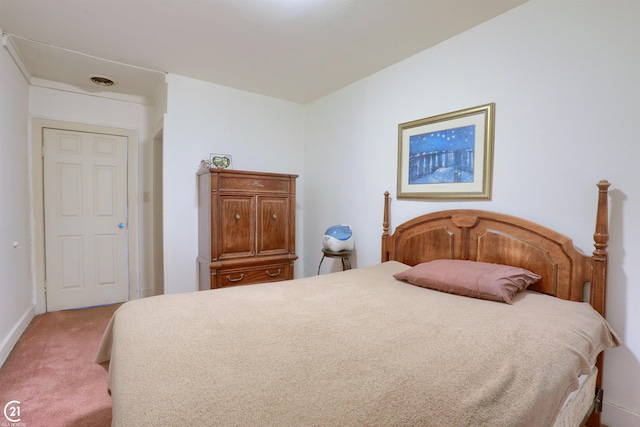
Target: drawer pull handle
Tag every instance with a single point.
(237, 216)
(235, 280)
(274, 274)
(274, 216)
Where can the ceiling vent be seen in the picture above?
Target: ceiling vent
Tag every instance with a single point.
(102, 81)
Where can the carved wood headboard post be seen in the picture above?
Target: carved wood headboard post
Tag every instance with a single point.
(599, 263)
(385, 228)
(600, 255)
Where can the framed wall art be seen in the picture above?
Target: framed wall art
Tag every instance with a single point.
(449, 156)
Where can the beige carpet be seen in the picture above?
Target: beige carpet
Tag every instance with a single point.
(52, 374)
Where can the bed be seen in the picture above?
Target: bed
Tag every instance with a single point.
(368, 346)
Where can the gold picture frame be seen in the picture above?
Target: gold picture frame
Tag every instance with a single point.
(448, 156)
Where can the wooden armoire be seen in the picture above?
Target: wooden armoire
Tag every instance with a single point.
(246, 227)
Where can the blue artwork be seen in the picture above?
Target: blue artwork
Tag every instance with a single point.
(442, 157)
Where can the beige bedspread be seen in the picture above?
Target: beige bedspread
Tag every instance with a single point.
(345, 349)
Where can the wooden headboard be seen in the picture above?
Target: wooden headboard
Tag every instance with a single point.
(504, 239)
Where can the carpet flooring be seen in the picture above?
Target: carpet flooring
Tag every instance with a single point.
(50, 378)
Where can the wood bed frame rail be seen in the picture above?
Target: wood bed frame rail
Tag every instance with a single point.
(504, 239)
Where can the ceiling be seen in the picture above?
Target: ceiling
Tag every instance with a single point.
(297, 50)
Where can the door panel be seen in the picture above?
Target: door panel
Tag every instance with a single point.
(106, 251)
(237, 226)
(71, 261)
(273, 214)
(85, 204)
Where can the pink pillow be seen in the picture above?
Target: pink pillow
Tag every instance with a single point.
(495, 282)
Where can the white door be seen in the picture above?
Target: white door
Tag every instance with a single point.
(85, 214)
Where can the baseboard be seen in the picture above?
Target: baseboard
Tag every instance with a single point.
(16, 332)
(614, 415)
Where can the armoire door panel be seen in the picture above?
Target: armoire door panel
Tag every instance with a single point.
(273, 214)
(237, 226)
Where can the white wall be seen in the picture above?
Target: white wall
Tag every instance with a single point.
(261, 134)
(16, 288)
(564, 77)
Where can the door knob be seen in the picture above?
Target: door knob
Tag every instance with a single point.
(121, 225)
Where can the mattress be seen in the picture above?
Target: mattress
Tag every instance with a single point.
(579, 401)
(351, 348)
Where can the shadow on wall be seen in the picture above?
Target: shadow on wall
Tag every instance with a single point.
(617, 389)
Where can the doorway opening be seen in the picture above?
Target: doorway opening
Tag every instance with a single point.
(158, 221)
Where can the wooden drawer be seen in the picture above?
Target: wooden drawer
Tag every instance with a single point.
(253, 184)
(250, 275)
